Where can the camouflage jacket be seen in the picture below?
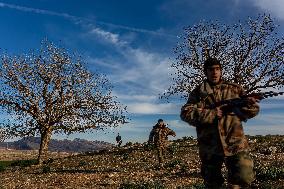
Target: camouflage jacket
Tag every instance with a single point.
(159, 135)
(218, 136)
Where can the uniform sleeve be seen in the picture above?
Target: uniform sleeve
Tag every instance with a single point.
(195, 113)
(171, 132)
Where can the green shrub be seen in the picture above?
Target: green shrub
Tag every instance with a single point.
(198, 186)
(2, 168)
(20, 163)
(148, 147)
(128, 144)
(174, 163)
(5, 163)
(184, 168)
(82, 163)
(173, 149)
(46, 169)
(270, 173)
(24, 163)
(125, 156)
(185, 138)
(194, 186)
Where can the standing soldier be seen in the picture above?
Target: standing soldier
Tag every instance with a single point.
(118, 140)
(220, 133)
(159, 136)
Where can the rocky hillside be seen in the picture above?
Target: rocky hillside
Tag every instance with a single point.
(135, 166)
(76, 145)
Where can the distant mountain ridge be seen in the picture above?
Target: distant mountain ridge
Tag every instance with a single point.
(76, 145)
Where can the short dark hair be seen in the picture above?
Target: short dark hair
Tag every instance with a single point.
(160, 120)
(211, 62)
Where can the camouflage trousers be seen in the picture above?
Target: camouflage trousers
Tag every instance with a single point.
(161, 150)
(119, 143)
(239, 166)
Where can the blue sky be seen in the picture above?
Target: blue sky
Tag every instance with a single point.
(132, 43)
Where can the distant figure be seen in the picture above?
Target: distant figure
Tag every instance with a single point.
(118, 140)
(159, 136)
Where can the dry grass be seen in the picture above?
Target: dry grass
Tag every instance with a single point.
(133, 167)
(10, 154)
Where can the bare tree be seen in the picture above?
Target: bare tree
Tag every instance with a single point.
(3, 135)
(250, 52)
(51, 91)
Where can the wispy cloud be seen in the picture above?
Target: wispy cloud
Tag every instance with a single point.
(142, 74)
(150, 108)
(277, 104)
(139, 75)
(138, 97)
(271, 118)
(81, 19)
(145, 70)
(274, 7)
(38, 11)
(262, 130)
(108, 36)
(150, 70)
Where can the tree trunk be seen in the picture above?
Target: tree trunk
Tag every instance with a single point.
(44, 142)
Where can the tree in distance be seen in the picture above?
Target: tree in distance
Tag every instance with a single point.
(52, 92)
(251, 54)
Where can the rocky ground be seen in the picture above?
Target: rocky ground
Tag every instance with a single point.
(135, 166)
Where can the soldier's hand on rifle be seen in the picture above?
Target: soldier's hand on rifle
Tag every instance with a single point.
(219, 112)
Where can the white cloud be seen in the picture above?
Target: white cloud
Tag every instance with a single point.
(149, 69)
(108, 63)
(178, 123)
(265, 123)
(261, 130)
(270, 118)
(137, 97)
(274, 105)
(150, 108)
(145, 70)
(38, 11)
(108, 36)
(142, 75)
(274, 7)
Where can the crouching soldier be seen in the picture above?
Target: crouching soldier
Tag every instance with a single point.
(159, 136)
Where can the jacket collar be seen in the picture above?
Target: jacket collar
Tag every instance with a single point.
(206, 88)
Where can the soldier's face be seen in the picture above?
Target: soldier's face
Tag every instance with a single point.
(161, 123)
(213, 74)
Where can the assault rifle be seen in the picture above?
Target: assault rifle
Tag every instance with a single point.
(242, 100)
